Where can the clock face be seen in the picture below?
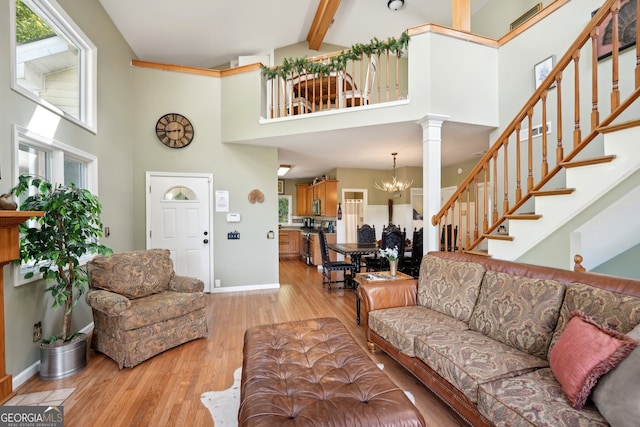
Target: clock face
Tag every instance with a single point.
(174, 130)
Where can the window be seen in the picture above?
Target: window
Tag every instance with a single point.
(55, 161)
(53, 62)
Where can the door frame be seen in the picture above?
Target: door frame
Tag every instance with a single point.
(340, 231)
(151, 174)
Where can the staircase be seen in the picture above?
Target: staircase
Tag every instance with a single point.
(586, 182)
(534, 186)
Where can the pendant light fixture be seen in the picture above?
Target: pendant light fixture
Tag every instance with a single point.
(394, 186)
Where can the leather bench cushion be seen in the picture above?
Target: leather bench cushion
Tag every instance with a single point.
(518, 311)
(450, 287)
(468, 358)
(313, 373)
(133, 274)
(607, 308)
(399, 326)
(157, 308)
(534, 398)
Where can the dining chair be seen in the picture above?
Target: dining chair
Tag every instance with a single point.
(411, 265)
(295, 104)
(366, 234)
(328, 266)
(356, 97)
(392, 237)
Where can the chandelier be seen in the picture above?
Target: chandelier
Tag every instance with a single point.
(394, 186)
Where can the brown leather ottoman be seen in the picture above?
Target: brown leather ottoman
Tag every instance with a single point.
(313, 373)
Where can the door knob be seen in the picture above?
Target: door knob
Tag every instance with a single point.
(205, 241)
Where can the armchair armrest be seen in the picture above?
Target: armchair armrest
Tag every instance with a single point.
(186, 284)
(376, 296)
(109, 303)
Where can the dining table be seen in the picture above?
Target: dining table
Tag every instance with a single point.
(355, 251)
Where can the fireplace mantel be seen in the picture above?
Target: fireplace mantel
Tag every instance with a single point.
(9, 250)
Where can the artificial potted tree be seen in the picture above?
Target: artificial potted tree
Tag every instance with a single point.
(54, 243)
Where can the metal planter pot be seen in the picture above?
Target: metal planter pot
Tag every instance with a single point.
(63, 361)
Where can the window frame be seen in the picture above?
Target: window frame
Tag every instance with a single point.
(87, 62)
(58, 151)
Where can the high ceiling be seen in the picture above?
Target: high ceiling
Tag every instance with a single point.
(207, 33)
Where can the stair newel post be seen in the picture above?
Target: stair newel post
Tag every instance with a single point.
(559, 148)
(518, 162)
(577, 259)
(545, 161)
(495, 187)
(505, 201)
(577, 134)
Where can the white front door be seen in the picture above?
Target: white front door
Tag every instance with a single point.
(179, 219)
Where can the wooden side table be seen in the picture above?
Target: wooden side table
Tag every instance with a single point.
(376, 277)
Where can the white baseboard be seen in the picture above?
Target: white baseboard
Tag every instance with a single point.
(246, 288)
(34, 369)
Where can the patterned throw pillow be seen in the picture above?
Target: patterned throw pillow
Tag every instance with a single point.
(584, 352)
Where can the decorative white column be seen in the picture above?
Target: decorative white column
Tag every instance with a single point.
(431, 175)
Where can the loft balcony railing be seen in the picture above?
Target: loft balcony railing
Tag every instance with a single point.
(336, 81)
(507, 175)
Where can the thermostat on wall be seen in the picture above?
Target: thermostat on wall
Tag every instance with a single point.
(233, 217)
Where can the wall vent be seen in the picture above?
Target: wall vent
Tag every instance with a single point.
(536, 131)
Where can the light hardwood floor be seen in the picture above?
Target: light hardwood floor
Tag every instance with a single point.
(165, 390)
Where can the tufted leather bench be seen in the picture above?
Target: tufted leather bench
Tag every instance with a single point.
(313, 373)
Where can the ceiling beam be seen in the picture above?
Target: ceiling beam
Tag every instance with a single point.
(321, 22)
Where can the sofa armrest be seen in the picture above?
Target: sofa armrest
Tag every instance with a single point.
(376, 296)
(109, 303)
(186, 284)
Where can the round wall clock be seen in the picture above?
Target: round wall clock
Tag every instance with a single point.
(174, 130)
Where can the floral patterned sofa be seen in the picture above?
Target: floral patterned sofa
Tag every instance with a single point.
(140, 307)
(510, 344)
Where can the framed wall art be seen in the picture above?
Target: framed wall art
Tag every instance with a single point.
(281, 186)
(626, 29)
(542, 69)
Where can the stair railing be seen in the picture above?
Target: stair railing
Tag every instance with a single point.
(479, 193)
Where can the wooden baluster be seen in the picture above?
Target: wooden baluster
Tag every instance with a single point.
(545, 162)
(495, 188)
(577, 259)
(477, 209)
(595, 115)
(485, 221)
(530, 151)
(468, 224)
(458, 242)
(505, 177)
(397, 75)
(378, 77)
(387, 79)
(559, 148)
(518, 163)
(615, 88)
(577, 134)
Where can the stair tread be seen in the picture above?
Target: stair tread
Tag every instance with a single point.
(586, 162)
(498, 237)
(523, 216)
(555, 192)
(481, 253)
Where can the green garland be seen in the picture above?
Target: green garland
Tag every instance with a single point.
(338, 62)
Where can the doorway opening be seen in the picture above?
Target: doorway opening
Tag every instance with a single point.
(354, 212)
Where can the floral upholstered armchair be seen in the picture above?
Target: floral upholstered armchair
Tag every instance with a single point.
(140, 307)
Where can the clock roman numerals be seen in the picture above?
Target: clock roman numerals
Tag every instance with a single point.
(174, 130)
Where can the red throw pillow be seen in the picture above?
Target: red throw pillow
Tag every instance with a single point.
(584, 352)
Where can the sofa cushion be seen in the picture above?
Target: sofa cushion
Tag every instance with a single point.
(584, 352)
(399, 326)
(157, 308)
(450, 287)
(518, 311)
(617, 393)
(611, 309)
(132, 274)
(468, 358)
(534, 398)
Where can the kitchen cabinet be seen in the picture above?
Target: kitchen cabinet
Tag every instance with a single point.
(316, 253)
(303, 199)
(327, 192)
(288, 243)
